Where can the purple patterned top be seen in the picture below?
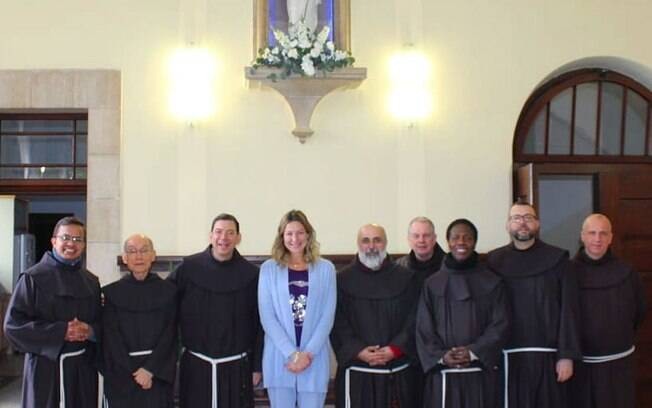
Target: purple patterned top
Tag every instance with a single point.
(298, 285)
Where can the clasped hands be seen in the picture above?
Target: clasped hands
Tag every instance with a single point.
(457, 357)
(376, 355)
(143, 378)
(299, 361)
(78, 331)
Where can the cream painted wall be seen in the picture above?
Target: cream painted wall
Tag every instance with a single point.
(361, 165)
(6, 242)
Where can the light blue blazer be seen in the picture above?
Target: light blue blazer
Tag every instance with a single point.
(276, 317)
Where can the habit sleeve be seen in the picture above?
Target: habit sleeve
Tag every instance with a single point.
(641, 304)
(492, 340)
(24, 328)
(430, 346)
(257, 357)
(346, 344)
(162, 362)
(114, 342)
(569, 344)
(404, 339)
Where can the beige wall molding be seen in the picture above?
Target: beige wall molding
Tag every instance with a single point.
(99, 93)
(302, 94)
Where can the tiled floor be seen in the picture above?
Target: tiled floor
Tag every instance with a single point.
(11, 366)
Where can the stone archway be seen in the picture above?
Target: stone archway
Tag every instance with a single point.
(99, 93)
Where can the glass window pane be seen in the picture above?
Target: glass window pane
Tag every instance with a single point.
(564, 201)
(81, 173)
(82, 126)
(27, 126)
(635, 118)
(586, 113)
(35, 149)
(9, 126)
(81, 149)
(535, 140)
(611, 118)
(36, 173)
(560, 120)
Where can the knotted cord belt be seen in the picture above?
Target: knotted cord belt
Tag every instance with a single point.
(214, 362)
(506, 354)
(62, 385)
(609, 357)
(347, 377)
(446, 371)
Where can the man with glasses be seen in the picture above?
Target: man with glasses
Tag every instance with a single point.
(140, 348)
(219, 322)
(544, 340)
(53, 317)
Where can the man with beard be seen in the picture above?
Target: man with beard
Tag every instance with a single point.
(140, 348)
(425, 255)
(461, 327)
(612, 306)
(373, 334)
(544, 340)
(53, 317)
(219, 322)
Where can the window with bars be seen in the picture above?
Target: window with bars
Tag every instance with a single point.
(43, 146)
(590, 115)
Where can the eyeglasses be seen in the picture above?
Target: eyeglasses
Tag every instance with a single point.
(521, 218)
(134, 251)
(68, 238)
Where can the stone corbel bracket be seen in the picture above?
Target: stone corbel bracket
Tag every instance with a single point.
(304, 93)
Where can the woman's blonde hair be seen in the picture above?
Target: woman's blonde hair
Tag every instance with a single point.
(280, 253)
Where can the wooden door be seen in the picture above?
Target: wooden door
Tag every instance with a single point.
(626, 198)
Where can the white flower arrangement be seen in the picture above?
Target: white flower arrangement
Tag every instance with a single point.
(302, 52)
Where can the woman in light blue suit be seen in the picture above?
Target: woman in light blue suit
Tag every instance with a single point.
(296, 300)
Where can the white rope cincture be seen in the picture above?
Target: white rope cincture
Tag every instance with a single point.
(446, 371)
(62, 385)
(506, 354)
(140, 353)
(609, 357)
(347, 377)
(214, 362)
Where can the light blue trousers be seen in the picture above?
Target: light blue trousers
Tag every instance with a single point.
(290, 398)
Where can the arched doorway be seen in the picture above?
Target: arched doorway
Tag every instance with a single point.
(583, 143)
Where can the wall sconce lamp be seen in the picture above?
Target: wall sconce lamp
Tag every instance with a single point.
(410, 96)
(192, 83)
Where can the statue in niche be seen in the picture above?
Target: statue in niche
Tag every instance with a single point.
(306, 10)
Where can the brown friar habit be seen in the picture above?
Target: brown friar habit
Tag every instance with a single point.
(612, 306)
(218, 318)
(139, 318)
(423, 269)
(464, 304)
(48, 296)
(542, 287)
(375, 308)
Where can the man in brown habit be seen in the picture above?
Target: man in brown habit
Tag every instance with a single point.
(612, 307)
(544, 340)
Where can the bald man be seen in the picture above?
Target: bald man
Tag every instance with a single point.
(612, 307)
(140, 347)
(373, 335)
